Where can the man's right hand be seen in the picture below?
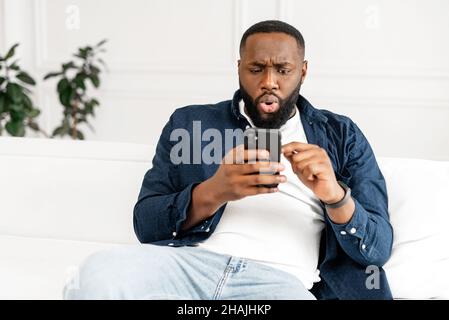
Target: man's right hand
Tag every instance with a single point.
(240, 175)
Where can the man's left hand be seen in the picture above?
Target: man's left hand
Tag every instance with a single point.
(313, 167)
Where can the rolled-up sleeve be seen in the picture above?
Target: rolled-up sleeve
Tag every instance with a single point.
(368, 237)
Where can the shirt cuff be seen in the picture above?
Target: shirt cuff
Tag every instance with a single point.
(356, 227)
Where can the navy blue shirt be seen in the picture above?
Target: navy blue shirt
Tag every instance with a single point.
(351, 254)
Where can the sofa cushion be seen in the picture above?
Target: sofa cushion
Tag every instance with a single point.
(33, 268)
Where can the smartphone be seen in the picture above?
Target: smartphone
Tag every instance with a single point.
(264, 139)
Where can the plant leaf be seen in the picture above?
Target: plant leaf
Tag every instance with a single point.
(95, 80)
(16, 107)
(14, 92)
(15, 128)
(34, 113)
(102, 42)
(79, 135)
(52, 75)
(17, 114)
(79, 81)
(27, 102)
(89, 108)
(94, 70)
(25, 77)
(14, 65)
(2, 102)
(11, 52)
(33, 125)
(66, 97)
(95, 102)
(60, 131)
(63, 84)
(69, 65)
(82, 53)
(25, 90)
(101, 61)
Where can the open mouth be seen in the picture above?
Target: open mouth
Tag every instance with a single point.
(268, 104)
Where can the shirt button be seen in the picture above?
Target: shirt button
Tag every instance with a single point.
(343, 232)
(208, 229)
(353, 230)
(171, 244)
(174, 234)
(363, 246)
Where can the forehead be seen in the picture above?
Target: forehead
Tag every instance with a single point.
(275, 45)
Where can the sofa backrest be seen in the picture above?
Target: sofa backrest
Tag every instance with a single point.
(77, 190)
(418, 192)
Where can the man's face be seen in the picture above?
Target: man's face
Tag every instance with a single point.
(271, 71)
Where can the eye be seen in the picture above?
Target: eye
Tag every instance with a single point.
(284, 71)
(255, 70)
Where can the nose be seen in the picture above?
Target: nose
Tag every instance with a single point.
(269, 81)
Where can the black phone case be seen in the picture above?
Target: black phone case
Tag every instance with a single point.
(267, 139)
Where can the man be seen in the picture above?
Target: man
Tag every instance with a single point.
(214, 232)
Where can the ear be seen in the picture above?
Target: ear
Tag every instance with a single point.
(304, 71)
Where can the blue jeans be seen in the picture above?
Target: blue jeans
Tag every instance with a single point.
(191, 273)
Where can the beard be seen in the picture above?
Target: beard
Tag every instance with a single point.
(273, 120)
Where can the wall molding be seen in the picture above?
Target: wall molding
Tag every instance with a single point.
(326, 101)
(329, 101)
(379, 71)
(44, 63)
(239, 12)
(376, 70)
(2, 27)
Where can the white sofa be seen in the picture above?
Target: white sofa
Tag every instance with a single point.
(62, 200)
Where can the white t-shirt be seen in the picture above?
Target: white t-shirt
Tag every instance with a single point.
(282, 229)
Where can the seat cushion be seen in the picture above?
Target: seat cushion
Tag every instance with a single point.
(33, 268)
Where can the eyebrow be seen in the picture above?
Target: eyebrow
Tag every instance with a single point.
(263, 64)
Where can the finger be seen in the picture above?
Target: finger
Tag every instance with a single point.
(240, 155)
(253, 155)
(301, 165)
(295, 147)
(261, 167)
(265, 179)
(252, 191)
(303, 155)
(315, 171)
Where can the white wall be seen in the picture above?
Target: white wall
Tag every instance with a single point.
(383, 63)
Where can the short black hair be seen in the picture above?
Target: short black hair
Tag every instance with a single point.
(270, 26)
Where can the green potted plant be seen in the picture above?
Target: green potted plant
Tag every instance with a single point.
(72, 88)
(17, 111)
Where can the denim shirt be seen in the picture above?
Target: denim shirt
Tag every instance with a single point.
(351, 254)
